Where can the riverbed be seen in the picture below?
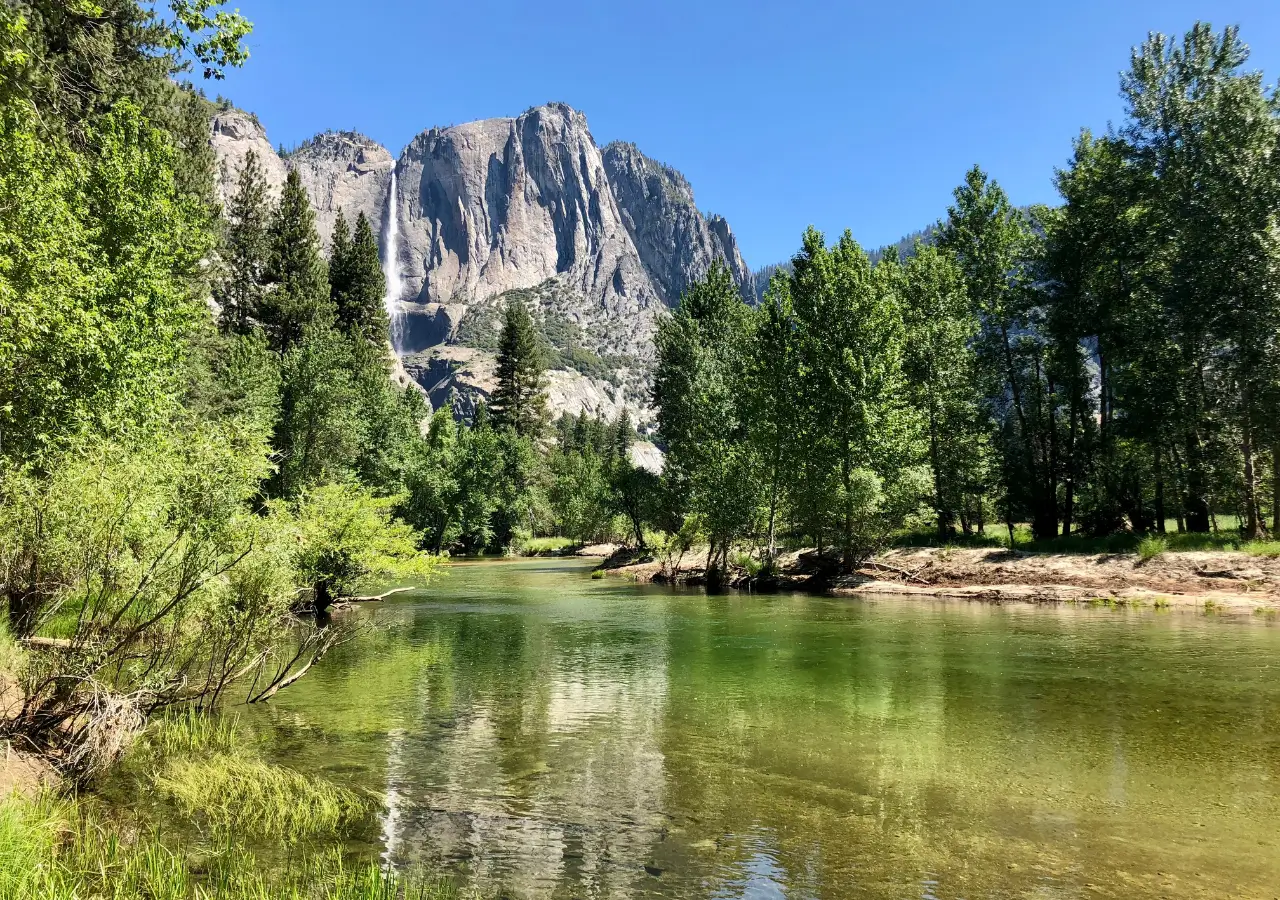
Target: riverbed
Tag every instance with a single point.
(538, 733)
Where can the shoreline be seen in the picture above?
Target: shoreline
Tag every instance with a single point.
(1210, 580)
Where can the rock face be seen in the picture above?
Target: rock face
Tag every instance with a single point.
(235, 133)
(598, 242)
(676, 242)
(344, 171)
(340, 170)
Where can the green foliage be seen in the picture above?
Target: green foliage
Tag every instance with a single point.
(97, 259)
(295, 294)
(345, 537)
(246, 248)
(231, 793)
(518, 402)
(1151, 547)
(357, 284)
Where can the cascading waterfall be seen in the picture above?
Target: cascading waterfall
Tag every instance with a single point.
(391, 262)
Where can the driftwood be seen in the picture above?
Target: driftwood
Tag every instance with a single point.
(376, 598)
(901, 573)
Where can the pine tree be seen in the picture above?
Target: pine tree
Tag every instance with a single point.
(358, 283)
(339, 260)
(297, 294)
(518, 402)
(247, 248)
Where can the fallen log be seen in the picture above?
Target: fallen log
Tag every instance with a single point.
(375, 598)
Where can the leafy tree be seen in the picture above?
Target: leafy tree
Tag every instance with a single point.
(518, 402)
(940, 368)
(98, 283)
(346, 536)
(698, 392)
(859, 428)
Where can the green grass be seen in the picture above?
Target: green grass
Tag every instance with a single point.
(998, 536)
(59, 849)
(237, 794)
(187, 731)
(536, 545)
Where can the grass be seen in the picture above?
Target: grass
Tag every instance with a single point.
(236, 793)
(536, 545)
(12, 656)
(998, 536)
(187, 731)
(58, 849)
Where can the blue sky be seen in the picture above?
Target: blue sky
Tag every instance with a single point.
(781, 114)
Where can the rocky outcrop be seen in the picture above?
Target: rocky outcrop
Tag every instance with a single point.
(676, 242)
(344, 171)
(340, 170)
(235, 133)
(507, 204)
(600, 242)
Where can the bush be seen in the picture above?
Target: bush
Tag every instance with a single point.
(1151, 547)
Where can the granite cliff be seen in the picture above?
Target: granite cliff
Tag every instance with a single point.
(599, 242)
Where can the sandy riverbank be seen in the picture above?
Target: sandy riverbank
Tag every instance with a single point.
(1221, 580)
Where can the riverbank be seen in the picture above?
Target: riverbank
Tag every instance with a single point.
(1215, 579)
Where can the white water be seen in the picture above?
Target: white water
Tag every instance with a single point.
(391, 262)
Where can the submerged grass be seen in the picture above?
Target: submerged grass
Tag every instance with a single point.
(56, 849)
(235, 793)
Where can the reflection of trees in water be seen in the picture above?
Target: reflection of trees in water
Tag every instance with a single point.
(735, 746)
(548, 776)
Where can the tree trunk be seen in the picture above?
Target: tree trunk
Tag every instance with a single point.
(1275, 488)
(1160, 528)
(1069, 483)
(1195, 504)
(1252, 531)
(944, 516)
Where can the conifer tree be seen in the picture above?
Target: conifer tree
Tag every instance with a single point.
(357, 282)
(339, 259)
(297, 293)
(247, 248)
(519, 402)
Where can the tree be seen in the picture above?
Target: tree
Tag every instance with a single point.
(940, 369)
(99, 261)
(321, 428)
(346, 536)
(861, 432)
(518, 402)
(357, 282)
(992, 241)
(246, 248)
(697, 389)
(296, 295)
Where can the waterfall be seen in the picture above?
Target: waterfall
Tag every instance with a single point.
(391, 262)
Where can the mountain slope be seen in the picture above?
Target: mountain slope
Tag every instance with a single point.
(598, 242)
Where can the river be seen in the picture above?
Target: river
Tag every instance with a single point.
(541, 734)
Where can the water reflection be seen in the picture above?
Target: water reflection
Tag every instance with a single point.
(544, 735)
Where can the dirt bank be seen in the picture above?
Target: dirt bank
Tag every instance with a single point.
(1223, 580)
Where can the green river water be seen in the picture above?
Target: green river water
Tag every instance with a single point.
(537, 733)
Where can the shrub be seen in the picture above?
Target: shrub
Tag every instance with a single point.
(1151, 547)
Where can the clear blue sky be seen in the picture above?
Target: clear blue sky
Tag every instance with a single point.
(842, 115)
